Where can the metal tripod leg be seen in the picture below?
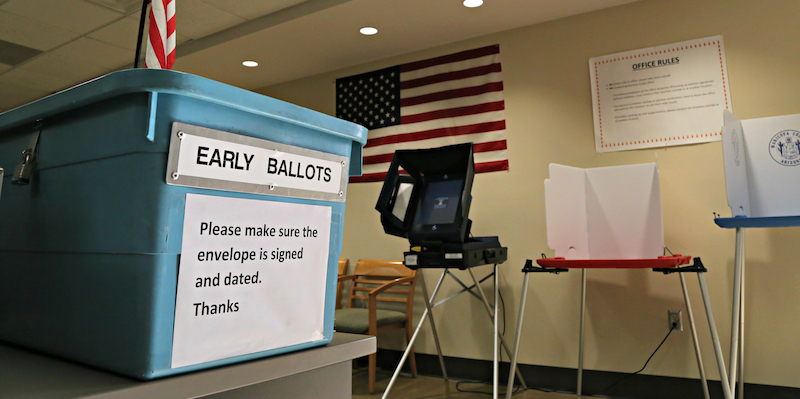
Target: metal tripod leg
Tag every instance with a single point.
(491, 315)
(723, 375)
(737, 303)
(495, 349)
(582, 327)
(425, 314)
(694, 337)
(429, 308)
(741, 332)
(523, 300)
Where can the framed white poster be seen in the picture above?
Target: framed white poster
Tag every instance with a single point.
(660, 96)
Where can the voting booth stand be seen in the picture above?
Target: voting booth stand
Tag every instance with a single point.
(610, 217)
(762, 168)
(157, 222)
(426, 198)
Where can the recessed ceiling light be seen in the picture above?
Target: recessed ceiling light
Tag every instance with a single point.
(250, 64)
(368, 30)
(473, 3)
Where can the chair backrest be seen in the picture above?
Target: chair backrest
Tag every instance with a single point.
(343, 263)
(371, 273)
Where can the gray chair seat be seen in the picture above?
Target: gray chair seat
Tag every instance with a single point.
(356, 320)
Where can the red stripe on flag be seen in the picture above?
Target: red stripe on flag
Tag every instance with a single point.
(170, 59)
(171, 26)
(456, 75)
(368, 178)
(449, 94)
(435, 133)
(495, 166)
(476, 148)
(155, 40)
(490, 146)
(375, 159)
(484, 167)
(446, 59)
(453, 112)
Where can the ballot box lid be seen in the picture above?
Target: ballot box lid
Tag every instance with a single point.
(173, 82)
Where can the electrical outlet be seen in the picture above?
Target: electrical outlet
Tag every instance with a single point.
(674, 317)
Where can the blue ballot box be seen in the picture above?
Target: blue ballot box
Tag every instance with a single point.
(160, 222)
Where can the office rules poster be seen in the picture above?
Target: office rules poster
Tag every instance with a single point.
(660, 96)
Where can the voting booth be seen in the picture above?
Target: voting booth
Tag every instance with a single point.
(762, 165)
(610, 218)
(155, 222)
(762, 168)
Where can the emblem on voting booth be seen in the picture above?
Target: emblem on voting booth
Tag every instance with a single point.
(785, 148)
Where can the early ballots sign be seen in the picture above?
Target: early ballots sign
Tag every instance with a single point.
(208, 158)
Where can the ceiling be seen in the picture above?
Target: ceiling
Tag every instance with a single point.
(49, 45)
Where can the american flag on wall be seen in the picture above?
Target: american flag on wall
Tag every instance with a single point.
(453, 99)
(160, 53)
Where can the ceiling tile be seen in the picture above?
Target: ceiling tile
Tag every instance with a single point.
(123, 6)
(36, 80)
(252, 9)
(16, 95)
(121, 33)
(96, 52)
(327, 40)
(74, 15)
(196, 19)
(135, 20)
(22, 31)
(76, 71)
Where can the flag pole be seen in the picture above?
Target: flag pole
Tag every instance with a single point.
(141, 33)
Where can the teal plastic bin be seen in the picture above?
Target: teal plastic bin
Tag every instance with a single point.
(90, 249)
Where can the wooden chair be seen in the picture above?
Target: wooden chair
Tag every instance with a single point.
(343, 263)
(376, 281)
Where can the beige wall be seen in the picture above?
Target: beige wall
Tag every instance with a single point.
(549, 117)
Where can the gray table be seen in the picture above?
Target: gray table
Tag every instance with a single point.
(323, 372)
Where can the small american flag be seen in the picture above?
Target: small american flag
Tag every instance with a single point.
(453, 99)
(161, 36)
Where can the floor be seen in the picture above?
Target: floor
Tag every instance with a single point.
(424, 387)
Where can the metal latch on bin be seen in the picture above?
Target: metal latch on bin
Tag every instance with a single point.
(22, 173)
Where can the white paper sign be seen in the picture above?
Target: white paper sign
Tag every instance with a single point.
(252, 277)
(227, 161)
(604, 213)
(660, 96)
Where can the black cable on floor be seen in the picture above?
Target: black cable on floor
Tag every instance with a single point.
(641, 369)
(503, 304)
